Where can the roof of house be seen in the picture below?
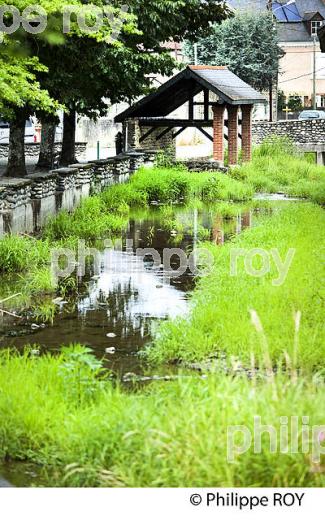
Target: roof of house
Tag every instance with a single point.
(310, 15)
(291, 18)
(189, 82)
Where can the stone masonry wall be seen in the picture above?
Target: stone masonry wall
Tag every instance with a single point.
(97, 175)
(32, 150)
(135, 132)
(302, 132)
(90, 177)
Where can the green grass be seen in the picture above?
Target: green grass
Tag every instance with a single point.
(22, 253)
(63, 412)
(278, 166)
(169, 185)
(92, 220)
(106, 215)
(220, 317)
(169, 435)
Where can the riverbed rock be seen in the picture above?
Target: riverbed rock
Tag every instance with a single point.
(110, 350)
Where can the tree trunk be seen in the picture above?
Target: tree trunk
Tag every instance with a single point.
(46, 156)
(16, 166)
(68, 155)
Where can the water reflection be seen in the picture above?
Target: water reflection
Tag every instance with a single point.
(120, 307)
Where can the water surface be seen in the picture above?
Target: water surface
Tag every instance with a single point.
(120, 307)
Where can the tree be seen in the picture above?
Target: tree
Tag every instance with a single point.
(122, 72)
(294, 103)
(21, 94)
(46, 155)
(282, 100)
(84, 69)
(20, 91)
(21, 55)
(248, 44)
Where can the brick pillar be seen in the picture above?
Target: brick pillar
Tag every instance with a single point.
(247, 132)
(218, 125)
(232, 134)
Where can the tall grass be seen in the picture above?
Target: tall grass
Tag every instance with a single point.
(91, 220)
(22, 253)
(172, 184)
(219, 323)
(277, 166)
(172, 434)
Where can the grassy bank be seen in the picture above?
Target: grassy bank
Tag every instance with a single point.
(220, 320)
(107, 213)
(65, 414)
(171, 434)
(277, 166)
(102, 216)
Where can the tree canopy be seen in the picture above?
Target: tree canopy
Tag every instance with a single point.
(49, 62)
(247, 43)
(88, 65)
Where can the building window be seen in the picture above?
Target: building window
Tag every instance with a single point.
(315, 27)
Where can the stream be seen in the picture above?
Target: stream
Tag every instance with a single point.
(116, 311)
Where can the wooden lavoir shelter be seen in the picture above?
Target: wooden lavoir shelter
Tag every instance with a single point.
(217, 91)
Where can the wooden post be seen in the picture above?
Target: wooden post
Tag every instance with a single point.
(206, 104)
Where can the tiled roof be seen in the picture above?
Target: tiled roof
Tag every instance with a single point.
(226, 83)
(176, 91)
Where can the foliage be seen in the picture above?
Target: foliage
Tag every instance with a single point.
(282, 100)
(21, 253)
(170, 185)
(44, 312)
(276, 166)
(139, 53)
(18, 86)
(81, 372)
(106, 214)
(165, 159)
(247, 43)
(295, 103)
(22, 54)
(90, 220)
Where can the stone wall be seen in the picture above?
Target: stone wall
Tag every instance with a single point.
(135, 132)
(302, 132)
(204, 165)
(93, 175)
(14, 193)
(32, 150)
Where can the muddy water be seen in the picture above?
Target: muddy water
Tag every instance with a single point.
(119, 308)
